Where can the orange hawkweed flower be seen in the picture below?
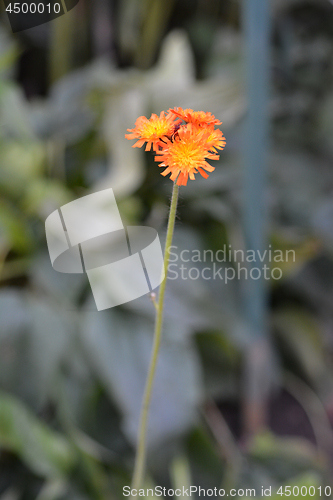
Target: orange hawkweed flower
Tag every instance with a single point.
(196, 117)
(186, 155)
(216, 139)
(182, 148)
(152, 131)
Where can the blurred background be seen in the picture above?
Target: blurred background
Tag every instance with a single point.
(232, 406)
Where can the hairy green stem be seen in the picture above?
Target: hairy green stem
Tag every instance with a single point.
(140, 460)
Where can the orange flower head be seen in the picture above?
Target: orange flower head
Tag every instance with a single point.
(186, 155)
(197, 117)
(215, 139)
(182, 148)
(152, 131)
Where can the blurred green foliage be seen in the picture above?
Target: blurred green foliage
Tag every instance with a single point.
(72, 379)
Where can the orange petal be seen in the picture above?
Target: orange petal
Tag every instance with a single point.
(139, 143)
(203, 173)
(182, 179)
(173, 177)
(213, 156)
(166, 171)
(208, 167)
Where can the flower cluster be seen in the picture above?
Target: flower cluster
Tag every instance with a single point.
(182, 139)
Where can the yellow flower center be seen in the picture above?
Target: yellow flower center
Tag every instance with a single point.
(156, 128)
(187, 155)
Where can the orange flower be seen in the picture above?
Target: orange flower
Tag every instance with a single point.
(182, 149)
(216, 139)
(186, 155)
(196, 117)
(153, 131)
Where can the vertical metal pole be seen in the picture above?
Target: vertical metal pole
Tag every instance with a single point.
(256, 23)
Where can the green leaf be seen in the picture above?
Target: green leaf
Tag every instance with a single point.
(15, 117)
(21, 162)
(43, 196)
(285, 457)
(48, 344)
(118, 346)
(302, 337)
(206, 464)
(44, 451)
(14, 230)
(13, 313)
(8, 52)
